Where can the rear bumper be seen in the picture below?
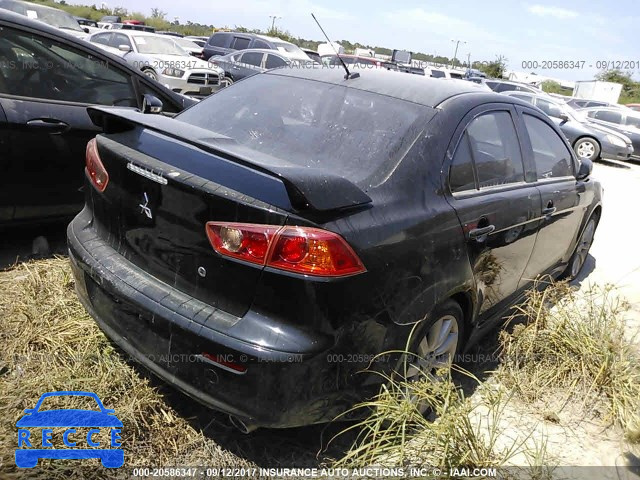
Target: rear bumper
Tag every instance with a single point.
(168, 332)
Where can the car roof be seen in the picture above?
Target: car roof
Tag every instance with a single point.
(258, 50)
(419, 89)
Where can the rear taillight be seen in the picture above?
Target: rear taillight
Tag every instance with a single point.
(304, 250)
(97, 173)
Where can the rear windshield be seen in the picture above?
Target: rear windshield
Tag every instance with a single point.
(306, 123)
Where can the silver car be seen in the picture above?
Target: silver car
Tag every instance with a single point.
(161, 58)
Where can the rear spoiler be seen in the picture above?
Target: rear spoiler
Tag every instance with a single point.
(308, 188)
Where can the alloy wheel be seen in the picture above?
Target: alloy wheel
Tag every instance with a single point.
(586, 149)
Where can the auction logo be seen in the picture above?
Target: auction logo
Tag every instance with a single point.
(98, 421)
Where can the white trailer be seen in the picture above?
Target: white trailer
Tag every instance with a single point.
(328, 49)
(598, 90)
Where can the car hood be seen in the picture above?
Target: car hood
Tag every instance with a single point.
(69, 418)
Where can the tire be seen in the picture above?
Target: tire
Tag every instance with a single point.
(580, 254)
(150, 73)
(225, 81)
(444, 332)
(588, 148)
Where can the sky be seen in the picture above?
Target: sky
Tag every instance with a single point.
(594, 31)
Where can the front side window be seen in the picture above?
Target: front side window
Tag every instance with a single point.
(495, 149)
(218, 40)
(552, 157)
(549, 108)
(608, 116)
(257, 43)
(101, 38)
(240, 43)
(42, 68)
(274, 61)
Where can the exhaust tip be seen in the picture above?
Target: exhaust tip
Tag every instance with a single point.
(244, 427)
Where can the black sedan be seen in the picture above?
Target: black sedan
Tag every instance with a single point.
(588, 139)
(623, 120)
(245, 63)
(47, 80)
(260, 259)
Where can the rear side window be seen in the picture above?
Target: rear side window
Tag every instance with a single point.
(461, 174)
(257, 43)
(437, 74)
(273, 61)
(551, 155)
(218, 40)
(240, 43)
(549, 108)
(608, 116)
(526, 98)
(252, 58)
(495, 150)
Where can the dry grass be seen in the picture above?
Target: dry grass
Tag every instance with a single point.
(573, 346)
(50, 343)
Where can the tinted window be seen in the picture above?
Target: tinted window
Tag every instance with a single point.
(461, 177)
(549, 108)
(240, 43)
(102, 38)
(257, 43)
(273, 61)
(608, 116)
(349, 132)
(218, 40)
(552, 156)
(633, 121)
(505, 87)
(437, 74)
(252, 58)
(118, 39)
(49, 70)
(495, 149)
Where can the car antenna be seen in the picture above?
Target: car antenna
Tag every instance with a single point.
(349, 75)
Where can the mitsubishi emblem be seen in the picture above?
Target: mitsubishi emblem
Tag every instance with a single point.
(144, 207)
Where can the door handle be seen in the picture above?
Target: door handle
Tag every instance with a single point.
(482, 231)
(50, 124)
(549, 211)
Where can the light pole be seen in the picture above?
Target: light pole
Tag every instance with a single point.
(273, 21)
(455, 54)
(468, 60)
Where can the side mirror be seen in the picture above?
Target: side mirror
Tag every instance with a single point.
(124, 48)
(86, 30)
(151, 104)
(586, 167)
(564, 117)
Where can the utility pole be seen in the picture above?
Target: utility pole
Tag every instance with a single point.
(273, 21)
(469, 60)
(455, 54)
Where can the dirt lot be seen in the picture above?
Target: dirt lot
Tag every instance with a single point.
(164, 428)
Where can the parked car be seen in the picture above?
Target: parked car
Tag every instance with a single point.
(622, 120)
(111, 19)
(587, 139)
(444, 73)
(246, 63)
(44, 125)
(171, 34)
(127, 26)
(312, 54)
(509, 86)
(200, 41)
(85, 22)
(357, 61)
(633, 106)
(474, 73)
(578, 103)
(49, 15)
(189, 46)
(160, 58)
(260, 249)
(222, 43)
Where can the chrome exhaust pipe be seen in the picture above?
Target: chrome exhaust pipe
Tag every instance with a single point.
(241, 425)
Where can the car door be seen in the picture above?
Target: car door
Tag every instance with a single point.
(6, 200)
(249, 64)
(562, 205)
(496, 201)
(45, 102)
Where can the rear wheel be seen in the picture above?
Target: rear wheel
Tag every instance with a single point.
(579, 257)
(436, 347)
(587, 148)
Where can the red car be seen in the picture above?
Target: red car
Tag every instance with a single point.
(133, 22)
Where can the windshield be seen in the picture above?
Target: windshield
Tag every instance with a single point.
(184, 43)
(157, 45)
(356, 134)
(51, 16)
